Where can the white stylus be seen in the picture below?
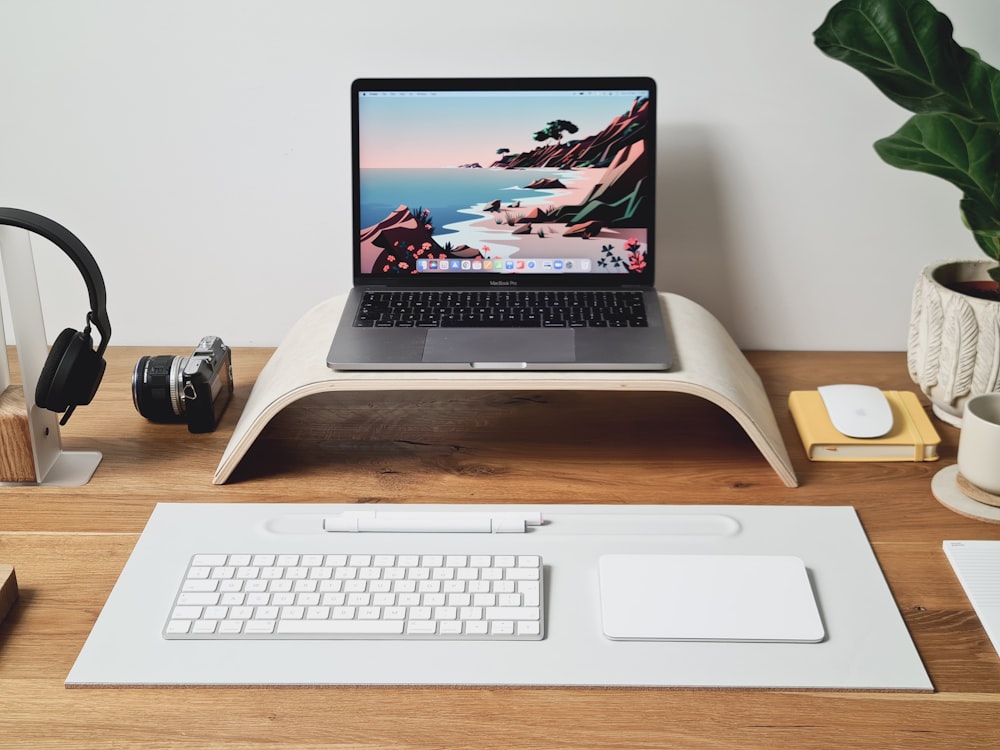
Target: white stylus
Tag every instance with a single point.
(403, 522)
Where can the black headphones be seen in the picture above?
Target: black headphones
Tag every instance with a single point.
(73, 369)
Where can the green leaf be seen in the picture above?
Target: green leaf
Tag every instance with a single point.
(905, 47)
(984, 222)
(965, 154)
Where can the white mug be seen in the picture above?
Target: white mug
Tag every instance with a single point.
(979, 442)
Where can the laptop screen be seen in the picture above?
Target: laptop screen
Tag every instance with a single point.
(481, 182)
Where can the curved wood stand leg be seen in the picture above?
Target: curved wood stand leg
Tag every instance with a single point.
(708, 364)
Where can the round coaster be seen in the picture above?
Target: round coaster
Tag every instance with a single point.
(944, 485)
(982, 496)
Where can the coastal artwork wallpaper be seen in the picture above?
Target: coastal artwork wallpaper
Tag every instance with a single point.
(509, 182)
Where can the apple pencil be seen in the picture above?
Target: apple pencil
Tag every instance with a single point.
(402, 522)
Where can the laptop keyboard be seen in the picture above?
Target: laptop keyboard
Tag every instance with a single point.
(502, 309)
(359, 596)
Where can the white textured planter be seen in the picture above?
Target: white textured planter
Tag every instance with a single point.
(953, 352)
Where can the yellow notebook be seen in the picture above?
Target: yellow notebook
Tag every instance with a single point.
(912, 438)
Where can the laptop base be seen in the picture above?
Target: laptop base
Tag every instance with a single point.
(556, 349)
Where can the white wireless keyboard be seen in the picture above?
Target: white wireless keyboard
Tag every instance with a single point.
(452, 597)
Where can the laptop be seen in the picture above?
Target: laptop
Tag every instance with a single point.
(503, 224)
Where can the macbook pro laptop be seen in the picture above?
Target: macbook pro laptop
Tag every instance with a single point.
(503, 224)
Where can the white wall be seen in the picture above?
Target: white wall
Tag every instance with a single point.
(200, 149)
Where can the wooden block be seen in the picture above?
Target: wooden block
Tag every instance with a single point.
(17, 464)
(8, 589)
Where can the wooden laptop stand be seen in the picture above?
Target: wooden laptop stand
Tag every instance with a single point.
(707, 364)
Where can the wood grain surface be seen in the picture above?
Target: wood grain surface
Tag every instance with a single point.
(68, 546)
(16, 459)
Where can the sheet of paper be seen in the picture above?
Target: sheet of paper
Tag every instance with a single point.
(977, 565)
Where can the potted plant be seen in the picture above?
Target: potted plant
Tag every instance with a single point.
(906, 48)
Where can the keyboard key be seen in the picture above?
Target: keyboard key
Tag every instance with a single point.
(197, 599)
(522, 574)
(200, 585)
(209, 560)
(259, 627)
(421, 627)
(502, 627)
(340, 627)
(512, 613)
(529, 628)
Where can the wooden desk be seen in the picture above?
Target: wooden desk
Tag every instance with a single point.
(69, 544)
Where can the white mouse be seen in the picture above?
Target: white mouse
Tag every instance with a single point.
(858, 411)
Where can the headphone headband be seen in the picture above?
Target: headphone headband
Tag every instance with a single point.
(68, 242)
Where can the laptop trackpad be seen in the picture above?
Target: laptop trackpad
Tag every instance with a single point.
(500, 347)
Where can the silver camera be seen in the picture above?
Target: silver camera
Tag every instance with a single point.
(195, 389)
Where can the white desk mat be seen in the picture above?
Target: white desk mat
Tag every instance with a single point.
(866, 647)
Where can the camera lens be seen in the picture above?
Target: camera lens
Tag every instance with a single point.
(157, 384)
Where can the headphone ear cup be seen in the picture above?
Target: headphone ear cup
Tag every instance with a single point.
(71, 373)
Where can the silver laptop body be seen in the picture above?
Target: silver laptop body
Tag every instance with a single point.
(478, 201)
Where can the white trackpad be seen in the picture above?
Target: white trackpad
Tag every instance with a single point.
(708, 598)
